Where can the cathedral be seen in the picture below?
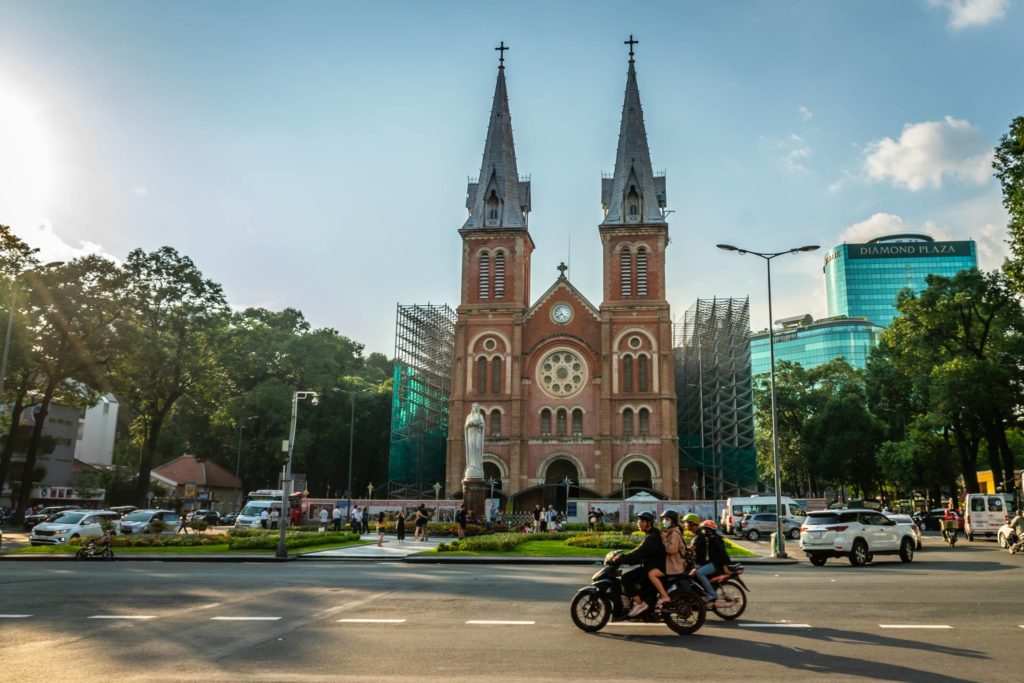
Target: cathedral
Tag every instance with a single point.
(577, 398)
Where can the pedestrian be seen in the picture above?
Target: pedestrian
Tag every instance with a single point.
(355, 518)
(336, 516)
(591, 519)
(382, 526)
(366, 519)
(499, 517)
(537, 514)
(460, 519)
(264, 517)
(182, 524)
(323, 520)
(275, 516)
(400, 526)
(420, 533)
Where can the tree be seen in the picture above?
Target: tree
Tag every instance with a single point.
(1008, 162)
(72, 311)
(172, 315)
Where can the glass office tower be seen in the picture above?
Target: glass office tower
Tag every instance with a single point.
(811, 343)
(862, 280)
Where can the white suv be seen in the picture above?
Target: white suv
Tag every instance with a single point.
(856, 534)
(71, 524)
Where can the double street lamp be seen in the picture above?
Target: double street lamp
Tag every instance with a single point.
(780, 544)
(351, 432)
(286, 471)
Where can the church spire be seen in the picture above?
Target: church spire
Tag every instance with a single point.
(498, 199)
(633, 194)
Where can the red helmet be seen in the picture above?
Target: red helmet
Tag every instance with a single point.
(710, 523)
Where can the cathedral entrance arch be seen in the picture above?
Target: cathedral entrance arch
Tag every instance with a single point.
(637, 473)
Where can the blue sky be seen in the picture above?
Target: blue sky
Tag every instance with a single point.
(315, 155)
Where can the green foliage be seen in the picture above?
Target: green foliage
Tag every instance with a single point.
(610, 541)
(268, 540)
(499, 542)
(1008, 162)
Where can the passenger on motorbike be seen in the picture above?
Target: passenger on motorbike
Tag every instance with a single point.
(949, 522)
(650, 554)
(710, 556)
(672, 538)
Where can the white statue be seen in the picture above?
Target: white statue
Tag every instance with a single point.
(474, 443)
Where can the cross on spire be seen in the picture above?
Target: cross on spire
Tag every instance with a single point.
(631, 43)
(561, 269)
(501, 50)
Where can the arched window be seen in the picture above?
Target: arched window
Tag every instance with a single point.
(645, 421)
(481, 375)
(545, 423)
(626, 272)
(493, 208)
(562, 419)
(627, 374)
(577, 422)
(641, 373)
(495, 423)
(633, 205)
(627, 422)
(485, 274)
(499, 275)
(496, 375)
(641, 271)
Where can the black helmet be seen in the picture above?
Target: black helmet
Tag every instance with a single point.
(672, 515)
(646, 516)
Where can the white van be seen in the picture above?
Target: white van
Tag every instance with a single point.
(735, 508)
(249, 517)
(985, 513)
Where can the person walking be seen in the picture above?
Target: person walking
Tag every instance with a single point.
(323, 520)
(382, 526)
(400, 526)
(336, 517)
(537, 514)
(421, 523)
(182, 524)
(460, 519)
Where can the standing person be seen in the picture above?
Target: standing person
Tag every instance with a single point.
(264, 518)
(355, 518)
(336, 517)
(382, 526)
(499, 518)
(366, 519)
(323, 520)
(420, 533)
(460, 519)
(275, 517)
(400, 526)
(591, 519)
(536, 518)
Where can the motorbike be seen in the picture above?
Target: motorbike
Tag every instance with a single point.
(1015, 543)
(728, 585)
(96, 547)
(949, 533)
(605, 600)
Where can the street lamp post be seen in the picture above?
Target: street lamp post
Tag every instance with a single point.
(238, 455)
(286, 471)
(10, 323)
(780, 543)
(351, 432)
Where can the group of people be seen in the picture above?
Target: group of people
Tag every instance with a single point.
(546, 519)
(663, 553)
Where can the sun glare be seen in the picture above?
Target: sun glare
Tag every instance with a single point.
(28, 168)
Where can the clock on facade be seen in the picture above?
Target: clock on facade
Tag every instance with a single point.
(561, 313)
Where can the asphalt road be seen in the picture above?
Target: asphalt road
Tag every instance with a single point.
(949, 616)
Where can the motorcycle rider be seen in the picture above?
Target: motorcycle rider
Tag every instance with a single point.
(1017, 528)
(650, 554)
(672, 538)
(949, 522)
(710, 556)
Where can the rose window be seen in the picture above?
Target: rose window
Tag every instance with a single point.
(561, 374)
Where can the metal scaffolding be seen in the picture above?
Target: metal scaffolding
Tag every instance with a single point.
(424, 347)
(715, 399)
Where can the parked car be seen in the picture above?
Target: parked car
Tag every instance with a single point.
(858, 535)
(71, 524)
(753, 526)
(141, 522)
(211, 517)
(124, 509)
(930, 520)
(43, 514)
(907, 519)
(986, 512)
(229, 519)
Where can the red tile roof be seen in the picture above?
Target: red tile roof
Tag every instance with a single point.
(205, 473)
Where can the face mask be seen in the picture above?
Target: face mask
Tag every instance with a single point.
(666, 523)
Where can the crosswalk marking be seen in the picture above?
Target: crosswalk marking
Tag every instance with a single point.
(123, 616)
(773, 625)
(15, 616)
(932, 626)
(244, 618)
(371, 621)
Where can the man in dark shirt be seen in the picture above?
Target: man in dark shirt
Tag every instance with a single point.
(650, 554)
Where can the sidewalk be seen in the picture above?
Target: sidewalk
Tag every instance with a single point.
(391, 550)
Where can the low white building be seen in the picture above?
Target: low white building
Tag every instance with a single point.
(97, 428)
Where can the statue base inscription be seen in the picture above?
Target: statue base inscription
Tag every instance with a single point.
(474, 493)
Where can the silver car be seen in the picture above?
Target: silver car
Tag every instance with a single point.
(758, 524)
(71, 524)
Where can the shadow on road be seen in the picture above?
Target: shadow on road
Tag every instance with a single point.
(806, 659)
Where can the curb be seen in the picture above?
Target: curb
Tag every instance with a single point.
(149, 558)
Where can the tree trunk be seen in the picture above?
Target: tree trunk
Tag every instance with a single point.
(25, 490)
(1009, 471)
(146, 462)
(12, 432)
(992, 448)
(967, 449)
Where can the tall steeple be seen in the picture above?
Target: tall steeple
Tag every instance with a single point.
(633, 194)
(498, 199)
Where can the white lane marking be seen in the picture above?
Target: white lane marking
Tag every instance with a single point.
(499, 622)
(26, 616)
(244, 618)
(123, 616)
(914, 626)
(210, 606)
(766, 625)
(371, 621)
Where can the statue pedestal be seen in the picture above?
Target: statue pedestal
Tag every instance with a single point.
(474, 492)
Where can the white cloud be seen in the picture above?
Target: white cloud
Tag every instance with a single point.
(965, 13)
(796, 152)
(52, 247)
(928, 151)
(888, 224)
(805, 113)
